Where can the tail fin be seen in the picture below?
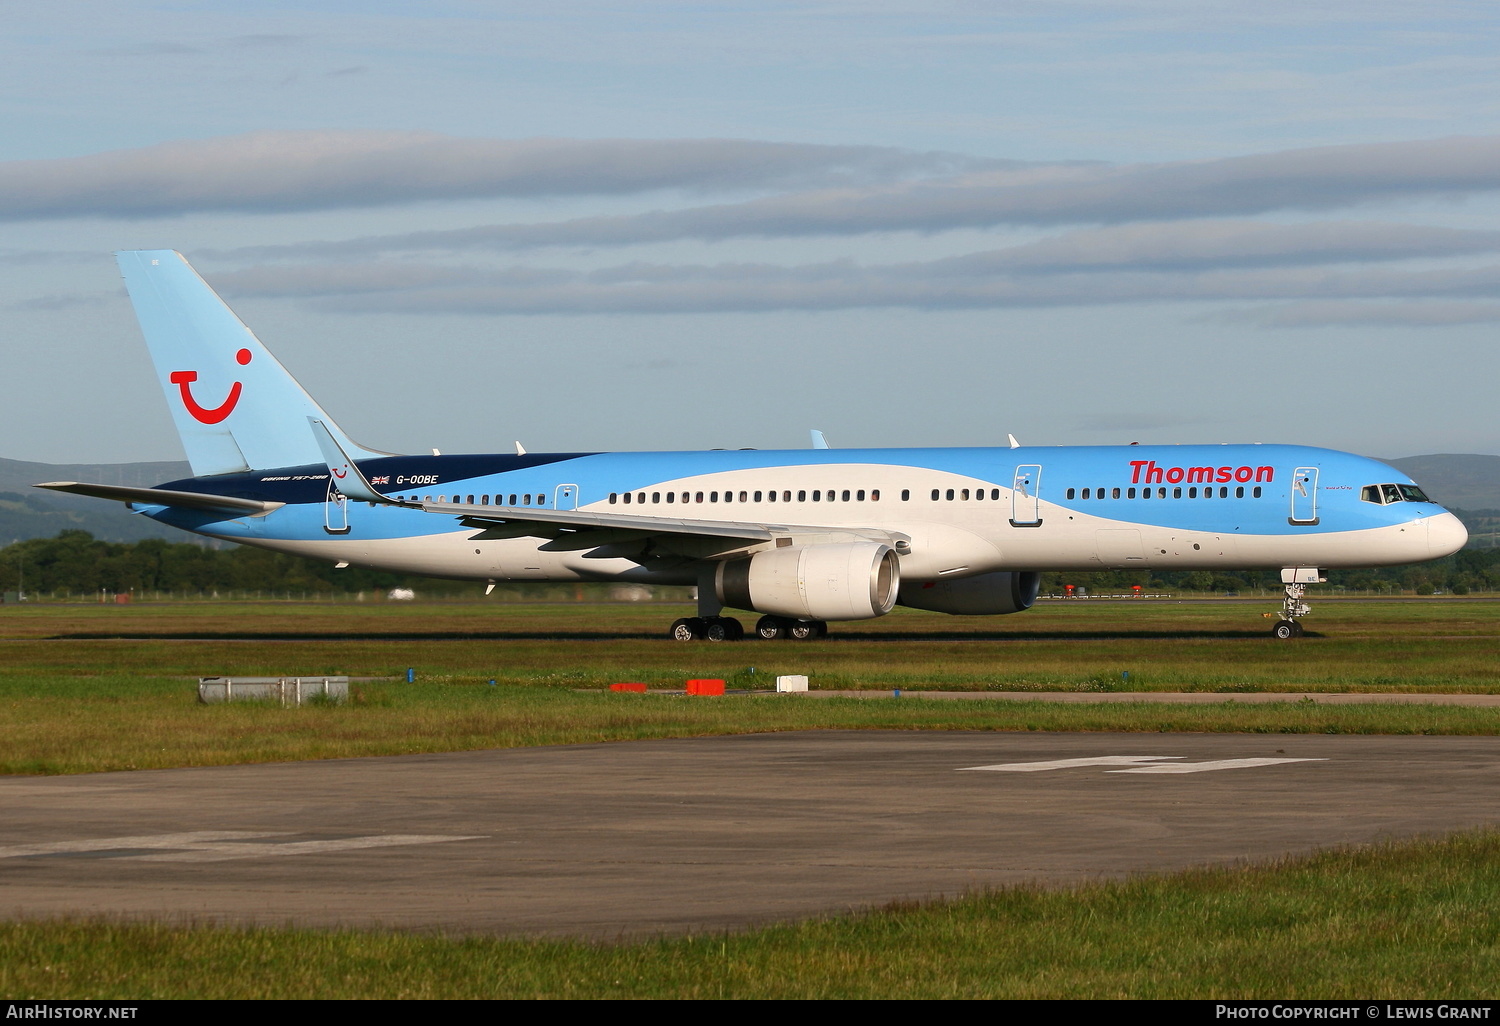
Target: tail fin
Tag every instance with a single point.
(234, 404)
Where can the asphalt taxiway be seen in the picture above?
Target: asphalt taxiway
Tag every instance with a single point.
(664, 837)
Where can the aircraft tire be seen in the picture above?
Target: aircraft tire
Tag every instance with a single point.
(724, 628)
(1285, 629)
(771, 628)
(688, 628)
(802, 630)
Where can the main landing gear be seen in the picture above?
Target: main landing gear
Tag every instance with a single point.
(707, 628)
(1295, 580)
(774, 627)
(727, 628)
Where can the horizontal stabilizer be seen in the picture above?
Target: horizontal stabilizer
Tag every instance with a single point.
(167, 497)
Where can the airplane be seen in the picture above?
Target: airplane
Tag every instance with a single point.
(801, 537)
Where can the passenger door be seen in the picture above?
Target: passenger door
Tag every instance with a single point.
(1304, 496)
(1025, 496)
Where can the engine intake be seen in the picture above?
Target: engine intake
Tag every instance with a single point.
(981, 595)
(843, 581)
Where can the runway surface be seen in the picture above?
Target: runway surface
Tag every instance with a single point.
(641, 838)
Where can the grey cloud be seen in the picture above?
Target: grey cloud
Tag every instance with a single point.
(1421, 314)
(1056, 194)
(657, 288)
(281, 171)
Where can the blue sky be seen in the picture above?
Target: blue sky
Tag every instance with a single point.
(687, 225)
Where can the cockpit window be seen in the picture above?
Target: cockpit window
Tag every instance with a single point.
(1388, 493)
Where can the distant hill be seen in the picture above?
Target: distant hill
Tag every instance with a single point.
(1456, 481)
(26, 512)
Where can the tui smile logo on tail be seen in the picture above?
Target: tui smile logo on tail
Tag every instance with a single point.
(209, 415)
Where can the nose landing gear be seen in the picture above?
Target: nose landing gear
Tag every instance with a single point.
(1295, 581)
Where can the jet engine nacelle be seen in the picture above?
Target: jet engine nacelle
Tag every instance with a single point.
(980, 595)
(835, 581)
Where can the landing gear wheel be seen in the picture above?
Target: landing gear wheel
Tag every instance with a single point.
(802, 630)
(724, 628)
(1286, 629)
(822, 628)
(771, 628)
(689, 628)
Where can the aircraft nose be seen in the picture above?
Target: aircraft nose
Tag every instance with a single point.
(1446, 534)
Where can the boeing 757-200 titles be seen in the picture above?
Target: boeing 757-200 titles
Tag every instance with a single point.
(801, 537)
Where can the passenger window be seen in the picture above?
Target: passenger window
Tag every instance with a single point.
(950, 494)
(786, 496)
(801, 496)
(742, 496)
(1115, 493)
(859, 496)
(1086, 493)
(995, 493)
(1098, 493)
(1224, 492)
(640, 497)
(656, 496)
(1070, 493)
(875, 495)
(671, 496)
(770, 496)
(817, 495)
(512, 498)
(1239, 493)
(978, 493)
(906, 495)
(934, 495)
(1256, 493)
(1176, 493)
(698, 497)
(1192, 493)
(526, 499)
(713, 496)
(964, 494)
(1130, 494)
(757, 496)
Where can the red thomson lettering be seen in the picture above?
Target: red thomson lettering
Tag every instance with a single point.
(1147, 472)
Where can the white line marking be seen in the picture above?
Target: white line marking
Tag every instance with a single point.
(1103, 760)
(1208, 767)
(16, 851)
(226, 851)
(218, 845)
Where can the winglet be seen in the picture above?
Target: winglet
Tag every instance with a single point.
(818, 441)
(1013, 443)
(346, 476)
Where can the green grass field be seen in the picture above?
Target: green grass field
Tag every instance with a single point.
(85, 688)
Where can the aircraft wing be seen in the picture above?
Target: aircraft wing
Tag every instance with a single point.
(168, 497)
(520, 521)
